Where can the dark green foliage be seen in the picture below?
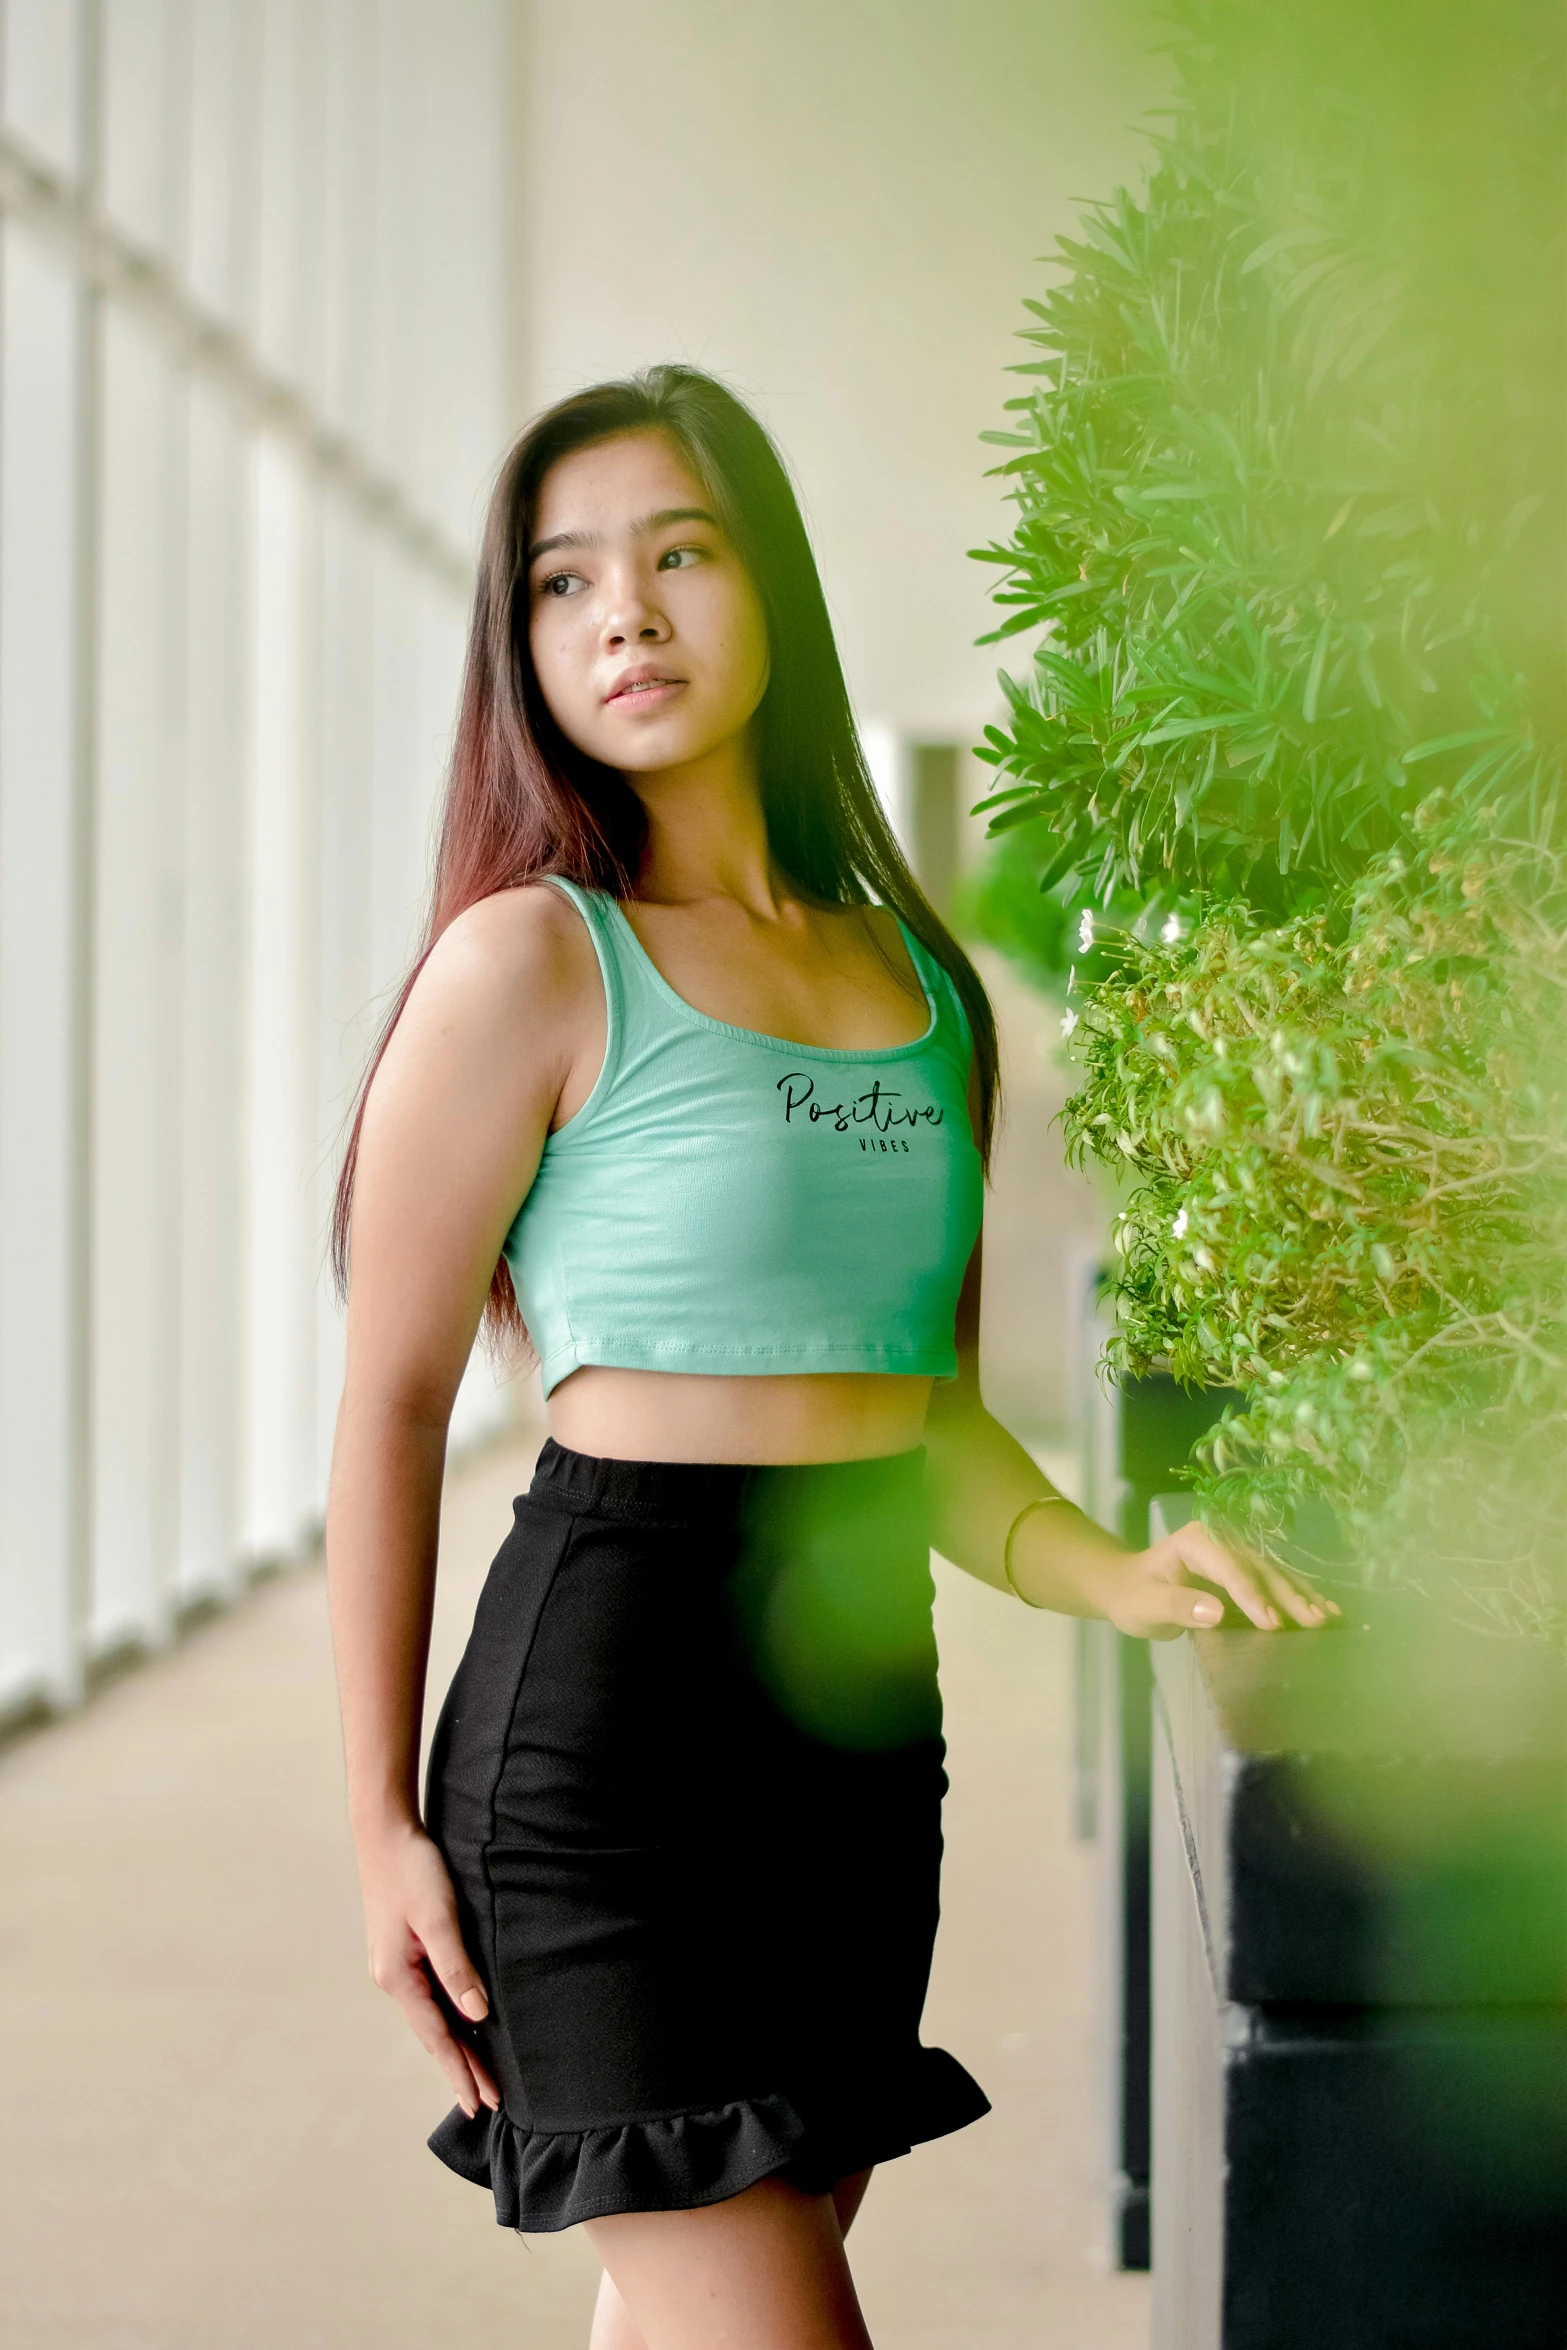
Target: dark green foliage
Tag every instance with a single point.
(1289, 473)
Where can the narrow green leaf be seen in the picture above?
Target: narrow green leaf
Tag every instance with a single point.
(1314, 673)
(1452, 742)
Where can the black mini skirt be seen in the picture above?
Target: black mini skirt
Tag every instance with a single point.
(688, 1783)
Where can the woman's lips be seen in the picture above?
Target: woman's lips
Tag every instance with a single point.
(644, 693)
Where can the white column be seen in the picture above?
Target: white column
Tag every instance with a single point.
(137, 911)
(456, 322)
(212, 1027)
(291, 257)
(282, 1241)
(40, 70)
(219, 161)
(351, 224)
(43, 902)
(144, 63)
(402, 230)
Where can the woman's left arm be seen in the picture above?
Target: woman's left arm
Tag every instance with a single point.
(984, 1489)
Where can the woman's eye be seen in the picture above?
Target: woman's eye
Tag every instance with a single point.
(680, 558)
(560, 583)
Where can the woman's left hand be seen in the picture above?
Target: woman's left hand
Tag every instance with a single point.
(1174, 1587)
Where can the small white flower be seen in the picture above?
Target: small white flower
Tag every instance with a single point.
(1172, 930)
(1068, 1021)
(1085, 932)
(1179, 1226)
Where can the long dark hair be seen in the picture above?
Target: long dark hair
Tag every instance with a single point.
(522, 802)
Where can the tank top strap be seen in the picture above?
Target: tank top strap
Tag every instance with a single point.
(617, 970)
(952, 1022)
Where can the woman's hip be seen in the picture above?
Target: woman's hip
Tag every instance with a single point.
(659, 1643)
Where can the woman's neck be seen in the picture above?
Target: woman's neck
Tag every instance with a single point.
(706, 832)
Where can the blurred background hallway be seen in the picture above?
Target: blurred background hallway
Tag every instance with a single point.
(278, 278)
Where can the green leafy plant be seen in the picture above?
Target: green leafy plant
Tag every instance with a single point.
(1287, 476)
(999, 901)
(1288, 481)
(1351, 1202)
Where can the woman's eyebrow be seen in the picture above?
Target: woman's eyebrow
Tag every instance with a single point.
(562, 538)
(668, 514)
(649, 522)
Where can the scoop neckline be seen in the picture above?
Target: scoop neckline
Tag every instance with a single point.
(786, 1044)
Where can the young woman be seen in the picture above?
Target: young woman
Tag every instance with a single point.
(690, 1080)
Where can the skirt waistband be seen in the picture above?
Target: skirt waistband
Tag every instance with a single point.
(698, 1492)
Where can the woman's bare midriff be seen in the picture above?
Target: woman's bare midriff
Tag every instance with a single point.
(685, 1416)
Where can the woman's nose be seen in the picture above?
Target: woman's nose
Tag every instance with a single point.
(648, 628)
(629, 618)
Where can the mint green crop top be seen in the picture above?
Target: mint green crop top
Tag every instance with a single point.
(726, 1201)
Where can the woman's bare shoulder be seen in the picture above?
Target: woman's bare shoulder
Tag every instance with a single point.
(523, 941)
(519, 961)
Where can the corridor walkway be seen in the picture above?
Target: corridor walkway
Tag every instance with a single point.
(212, 2128)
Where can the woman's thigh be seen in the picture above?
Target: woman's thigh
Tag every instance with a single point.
(614, 2327)
(763, 2267)
(847, 2197)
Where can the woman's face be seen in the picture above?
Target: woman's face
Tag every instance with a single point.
(647, 636)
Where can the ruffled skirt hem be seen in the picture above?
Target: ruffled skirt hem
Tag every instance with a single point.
(546, 2180)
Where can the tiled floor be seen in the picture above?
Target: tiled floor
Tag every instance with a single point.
(211, 2127)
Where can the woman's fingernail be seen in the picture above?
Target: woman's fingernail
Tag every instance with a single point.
(1206, 1611)
(475, 2005)
(1273, 1617)
(470, 2110)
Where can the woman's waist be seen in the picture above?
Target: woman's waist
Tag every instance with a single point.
(685, 1419)
(846, 1527)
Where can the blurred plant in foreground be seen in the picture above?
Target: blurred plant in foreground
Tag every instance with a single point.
(1289, 479)
(1290, 522)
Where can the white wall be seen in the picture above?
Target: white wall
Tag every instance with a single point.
(838, 209)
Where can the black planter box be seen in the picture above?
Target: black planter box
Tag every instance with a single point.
(1360, 1988)
(1138, 1437)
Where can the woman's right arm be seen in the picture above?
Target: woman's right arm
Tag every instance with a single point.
(503, 1028)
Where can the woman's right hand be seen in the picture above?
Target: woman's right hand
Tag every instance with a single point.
(411, 1924)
